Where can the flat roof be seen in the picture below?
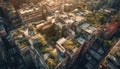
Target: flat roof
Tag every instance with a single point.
(81, 40)
(84, 25)
(59, 24)
(112, 27)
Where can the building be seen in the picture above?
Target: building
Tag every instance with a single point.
(11, 14)
(112, 60)
(2, 55)
(17, 3)
(28, 57)
(25, 38)
(13, 55)
(112, 3)
(30, 12)
(92, 5)
(91, 54)
(95, 54)
(110, 30)
(84, 32)
(68, 47)
(60, 29)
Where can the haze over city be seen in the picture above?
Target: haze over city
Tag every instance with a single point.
(59, 34)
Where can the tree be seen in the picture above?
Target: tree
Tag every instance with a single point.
(116, 17)
(69, 45)
(101, 18)
(51, 63)
(96, 19)
(68, 42)
(54, 53)
(43, 41)
(47, 49)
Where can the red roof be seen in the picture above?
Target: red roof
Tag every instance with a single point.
(111, 28)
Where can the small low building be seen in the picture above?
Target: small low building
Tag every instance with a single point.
(59, 45)
(110, 30)
(85, 31)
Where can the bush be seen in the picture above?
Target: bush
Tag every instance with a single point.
(51, 63)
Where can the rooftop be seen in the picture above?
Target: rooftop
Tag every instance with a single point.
(51, 56)
(88, 28)
(111, 28)
(81, 40)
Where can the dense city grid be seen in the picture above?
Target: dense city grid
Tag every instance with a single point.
(59, 34)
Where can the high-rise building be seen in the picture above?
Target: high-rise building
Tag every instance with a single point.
(92, 54)
(30, 13)
(11, 14)
(2, 56)
(17, 3)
